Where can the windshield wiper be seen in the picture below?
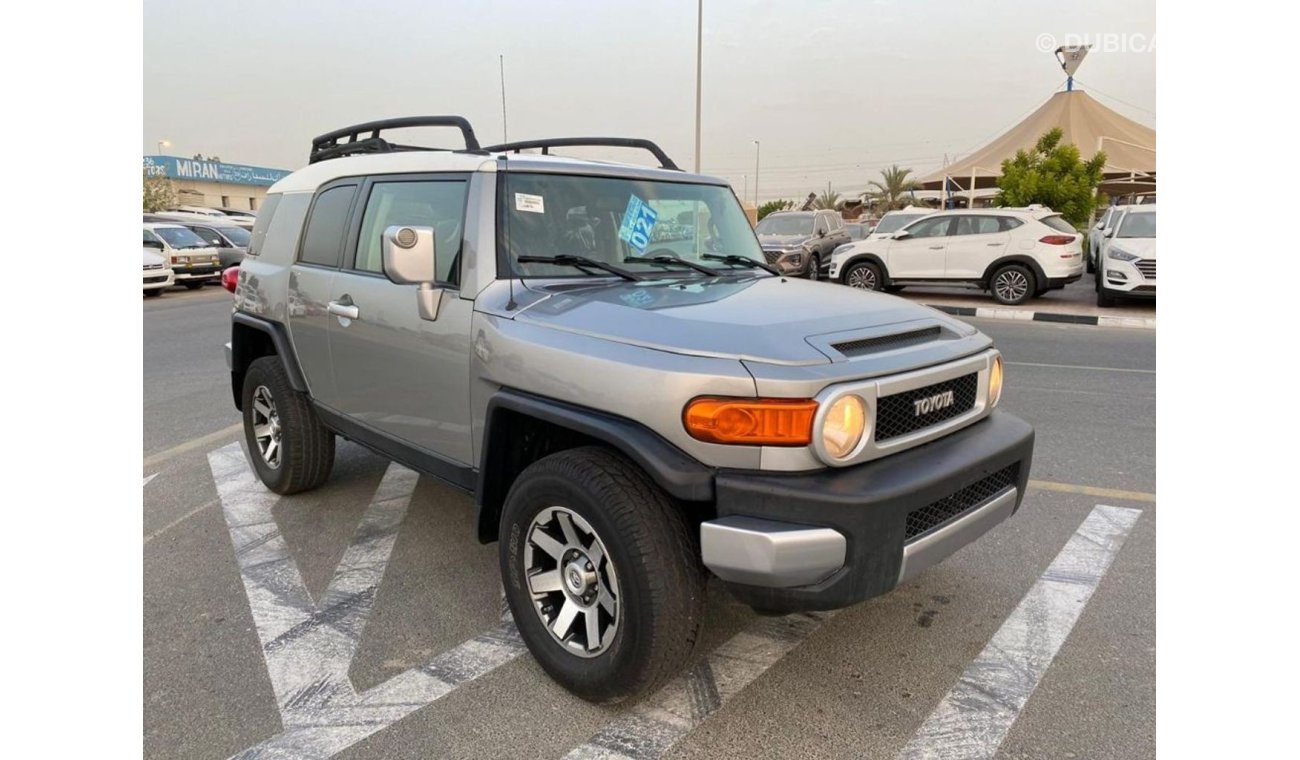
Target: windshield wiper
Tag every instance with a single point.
(579, 262)
(664, 258)
(732, 258)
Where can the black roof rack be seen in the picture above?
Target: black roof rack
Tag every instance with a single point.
(349, 141)
(572, 142)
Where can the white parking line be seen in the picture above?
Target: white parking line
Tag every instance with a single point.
(651, 728)
(309, 645)
(148, 478)
(976, 715)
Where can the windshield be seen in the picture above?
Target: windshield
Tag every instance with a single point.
(895, 222)
(237, 235)
(785, 224)
(1138, 224)
(610, 220)
(180, 237)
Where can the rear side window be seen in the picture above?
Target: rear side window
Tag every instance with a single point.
(1060, 225)
(1008, 223)
(262, 223)
(438, 204)
(209, 236)
(322, 243)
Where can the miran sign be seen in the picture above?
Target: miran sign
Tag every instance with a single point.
(175, 167)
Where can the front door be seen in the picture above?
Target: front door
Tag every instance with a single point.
(920, 254)
(395, 372)
(977, 241)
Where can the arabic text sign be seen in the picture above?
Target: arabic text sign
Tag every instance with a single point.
(175, 167)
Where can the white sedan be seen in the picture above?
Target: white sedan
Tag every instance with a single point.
(157, 275)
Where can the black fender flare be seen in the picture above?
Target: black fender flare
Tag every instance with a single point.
(1039, 275)
(675, 471)
(241, 354)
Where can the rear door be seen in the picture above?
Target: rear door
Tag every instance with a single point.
(311, 278)
(977, 240)
(921, 253)
(396, 373)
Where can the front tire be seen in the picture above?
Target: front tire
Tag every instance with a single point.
(289, 447)
(601, 573)
(155, 292)
(864, 275)
(815, 269)
(192, 285)
(1012, 285)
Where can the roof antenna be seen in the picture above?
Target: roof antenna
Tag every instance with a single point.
(1070, 57)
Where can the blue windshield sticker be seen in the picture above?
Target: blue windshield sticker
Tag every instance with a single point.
(638, 221)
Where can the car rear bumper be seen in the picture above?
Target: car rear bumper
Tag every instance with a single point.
(831, 538)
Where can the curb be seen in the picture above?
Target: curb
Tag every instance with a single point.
(1144, 323)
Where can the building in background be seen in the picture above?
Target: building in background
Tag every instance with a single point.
(215, 183)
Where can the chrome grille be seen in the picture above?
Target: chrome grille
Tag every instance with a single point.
(772, 256)
(153, 266)
(897, 414)
(1147, 267)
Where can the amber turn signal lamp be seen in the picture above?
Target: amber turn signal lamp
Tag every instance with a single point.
(751, 421)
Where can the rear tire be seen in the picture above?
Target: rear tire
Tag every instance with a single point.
(1012, 284)
(289, 447)
(636, 552)
(864, 275)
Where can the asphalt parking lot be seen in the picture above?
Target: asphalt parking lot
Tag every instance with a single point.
(363, 620)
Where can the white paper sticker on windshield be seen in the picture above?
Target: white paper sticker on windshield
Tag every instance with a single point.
(533, 204)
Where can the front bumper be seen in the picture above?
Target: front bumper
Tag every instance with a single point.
(831, 538)
(1125, 278)
(205, 272)
(155, 279)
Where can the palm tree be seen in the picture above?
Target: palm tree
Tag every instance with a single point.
(828, 200)
(892, 188)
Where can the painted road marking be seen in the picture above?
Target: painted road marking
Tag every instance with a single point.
(1082, 366)
(975, 716)
(655, 724)
(1100, 493)
(309, 644)
(148, 478)
(194, 443)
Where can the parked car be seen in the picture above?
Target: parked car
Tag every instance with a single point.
(1014, 253)
(158, 275)
(240, 214)
(201, 210)
(193, 261)
(231, 241)
(1127, 263)
(624, 418)
(1099, 232)
(800, 243)
(893, 221)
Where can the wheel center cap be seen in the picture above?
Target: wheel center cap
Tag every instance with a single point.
(579, 576)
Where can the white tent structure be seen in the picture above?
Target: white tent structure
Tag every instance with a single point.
(1130, 147)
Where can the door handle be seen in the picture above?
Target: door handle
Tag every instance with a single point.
(995, 244)
(345, 310)
(936, 248)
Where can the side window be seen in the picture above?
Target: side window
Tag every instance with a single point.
(149, 237)
(976, 225)
(439, 204)
(322, 243)
(209, 236)
(928, 228)
(1008, 223)
(820, 225)
(258, 236)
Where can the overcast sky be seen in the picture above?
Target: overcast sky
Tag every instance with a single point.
(832, 90)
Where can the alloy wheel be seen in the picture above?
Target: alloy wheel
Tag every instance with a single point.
(862, 278)
(1011, 286)
(266, 427)
(572, 582)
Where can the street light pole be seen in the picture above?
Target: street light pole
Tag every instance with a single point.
(756, 149)
(699, 59)
(163, 144)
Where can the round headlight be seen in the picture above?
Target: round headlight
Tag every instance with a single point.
(995, 381)
(843, 427)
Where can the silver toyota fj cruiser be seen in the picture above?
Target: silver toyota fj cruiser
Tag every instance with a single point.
(600, 354)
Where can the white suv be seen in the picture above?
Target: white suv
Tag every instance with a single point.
(1126, 265)
(1015, 253)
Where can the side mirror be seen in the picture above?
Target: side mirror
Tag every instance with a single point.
(1110, 233)
(902, 235)
(410, 258)
(821, 233)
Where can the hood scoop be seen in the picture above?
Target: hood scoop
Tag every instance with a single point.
(864, 346)
(913, 334)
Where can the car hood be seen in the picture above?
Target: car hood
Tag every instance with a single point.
(781, 241)
(1144, 248)
(755, 318)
